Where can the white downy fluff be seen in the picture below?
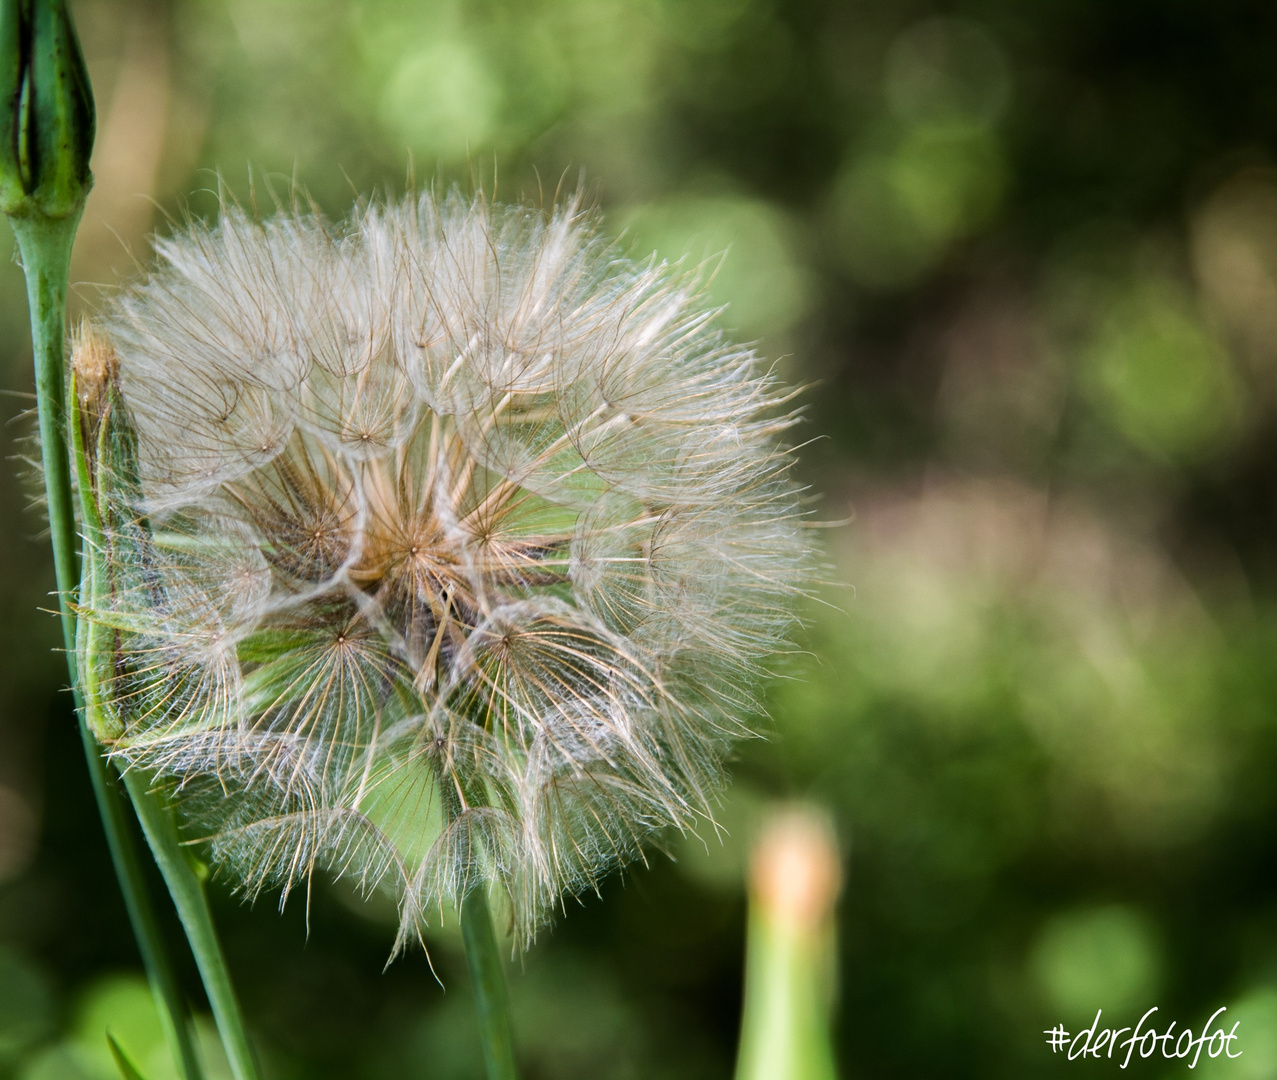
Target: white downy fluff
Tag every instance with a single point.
(440, 548)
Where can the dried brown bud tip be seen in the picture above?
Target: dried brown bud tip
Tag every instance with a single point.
(94, 364)
(95, 369)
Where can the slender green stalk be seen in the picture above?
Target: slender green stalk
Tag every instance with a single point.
(45, 246)
(488, 978)
(192, 908)
(128, 868)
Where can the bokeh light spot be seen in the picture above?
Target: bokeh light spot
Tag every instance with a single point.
(442, 99)
(747, 247)
(947, 68)
(897, 211)
(1161, 375)
(17, 833)
(1235, 257)
(1103, 957)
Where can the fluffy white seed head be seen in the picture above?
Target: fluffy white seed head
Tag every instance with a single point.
(440, 549)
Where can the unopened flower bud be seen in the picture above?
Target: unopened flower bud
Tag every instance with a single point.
(46, 111)
(795, 878)
(795, 874)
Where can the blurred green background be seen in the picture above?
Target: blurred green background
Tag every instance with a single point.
(1026, 253)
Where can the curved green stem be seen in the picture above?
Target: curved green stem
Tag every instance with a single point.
(45, 246)
(192, 908)
(488, 977)
(128, 868)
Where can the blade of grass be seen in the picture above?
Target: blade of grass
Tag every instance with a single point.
(122, 1061)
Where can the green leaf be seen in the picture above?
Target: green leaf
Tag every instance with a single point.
(127, 1069)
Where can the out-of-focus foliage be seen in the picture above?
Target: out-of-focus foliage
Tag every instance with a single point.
(1027, 253)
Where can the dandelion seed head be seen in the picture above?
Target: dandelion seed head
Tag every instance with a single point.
(441, 549)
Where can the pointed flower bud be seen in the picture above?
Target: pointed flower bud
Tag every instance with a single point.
(46, 111)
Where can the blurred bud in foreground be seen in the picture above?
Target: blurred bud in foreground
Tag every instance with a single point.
(790, 957)
(47, 117)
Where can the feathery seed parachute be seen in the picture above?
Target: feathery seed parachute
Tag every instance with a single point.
(440, 549)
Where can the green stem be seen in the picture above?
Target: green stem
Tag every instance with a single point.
(192, 908)
(45, 246)
(128, 868)
(488, 977)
